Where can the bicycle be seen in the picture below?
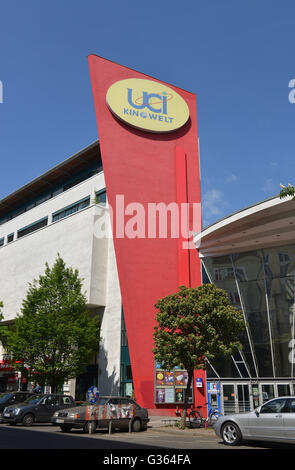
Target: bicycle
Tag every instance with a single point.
(196, 419)
(213, 415)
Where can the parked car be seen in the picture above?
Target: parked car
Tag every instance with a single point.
(273, 421)
(12, 398)
(121, 411)
(37, 409)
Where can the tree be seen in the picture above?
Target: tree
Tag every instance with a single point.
(54, 337)
(3, 329)
(287, 191)
(194, 324)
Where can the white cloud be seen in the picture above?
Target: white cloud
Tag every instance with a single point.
(231, 178)
(213, 206)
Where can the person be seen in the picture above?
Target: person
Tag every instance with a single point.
(37, 388)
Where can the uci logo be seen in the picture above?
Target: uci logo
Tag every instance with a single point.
(147, 105)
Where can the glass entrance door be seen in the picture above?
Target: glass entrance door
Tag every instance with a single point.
(284, 390)
(236, 398)
(243, 396)
(228, 399)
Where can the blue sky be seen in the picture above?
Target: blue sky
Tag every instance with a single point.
(237, 56)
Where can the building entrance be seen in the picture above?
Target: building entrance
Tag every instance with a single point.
(242, 397)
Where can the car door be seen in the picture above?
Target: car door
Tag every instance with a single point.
(289, 421)
(47, 408)
(269, 422)
(114, 410)
(127, 407)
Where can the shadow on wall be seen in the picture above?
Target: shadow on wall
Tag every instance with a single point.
(108, 384)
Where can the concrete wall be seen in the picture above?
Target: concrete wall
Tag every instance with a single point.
(75, 239)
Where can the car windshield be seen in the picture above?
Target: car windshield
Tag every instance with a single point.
(102, 401)
(4, 397)
(34, 399)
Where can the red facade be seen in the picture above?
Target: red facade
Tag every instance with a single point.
(144, 167)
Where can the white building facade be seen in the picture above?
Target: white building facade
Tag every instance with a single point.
(57, 213)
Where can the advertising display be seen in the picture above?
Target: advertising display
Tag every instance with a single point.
(149, 148)
(170, 386)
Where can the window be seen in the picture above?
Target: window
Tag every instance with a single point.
(101, 197)
(292, 405)
(10, 238)
(114, 401)
(32, 228)
(2, 241)
(71, 209)
(66, 401)
(275, 406)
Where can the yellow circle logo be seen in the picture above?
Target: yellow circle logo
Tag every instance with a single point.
(147, 105)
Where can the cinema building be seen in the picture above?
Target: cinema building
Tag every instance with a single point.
(147, 154)
(251, 255)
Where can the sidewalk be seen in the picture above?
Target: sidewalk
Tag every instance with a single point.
(167, 424)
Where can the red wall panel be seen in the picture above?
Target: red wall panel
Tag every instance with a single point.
(146, 167)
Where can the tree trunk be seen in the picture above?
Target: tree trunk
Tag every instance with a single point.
(186, 397)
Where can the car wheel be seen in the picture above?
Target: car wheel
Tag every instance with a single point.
(90, 426)
(28, 420)
(231, 434)
(65, 427)
(136, 425)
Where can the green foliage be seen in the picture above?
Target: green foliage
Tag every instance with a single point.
(287, 191)
(54, 337)
(194, 324)
(3, 329)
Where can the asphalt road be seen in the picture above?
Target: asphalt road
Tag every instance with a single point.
(48, 443)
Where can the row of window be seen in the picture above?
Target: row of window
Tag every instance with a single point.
(45, 197)
(100, 197)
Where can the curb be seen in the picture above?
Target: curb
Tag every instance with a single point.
(188, 432)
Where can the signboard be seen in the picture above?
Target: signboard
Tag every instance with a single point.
(147, 160)
(93, 395)
(199, 382)
(147, 105)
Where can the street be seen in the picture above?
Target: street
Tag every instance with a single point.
(46, 436)
(153, 447)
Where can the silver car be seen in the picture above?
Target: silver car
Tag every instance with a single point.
(273, 421)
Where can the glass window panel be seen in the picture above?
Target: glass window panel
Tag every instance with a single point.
(268, 392)
(281, 306)
(225, 368)
(247, 354)
(222, 274)
(281, 261)
(284, 390)
(228, 392)
(254, 301)
(249, 265)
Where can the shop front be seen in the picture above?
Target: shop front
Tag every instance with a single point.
(8, 376)
(239, 397)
